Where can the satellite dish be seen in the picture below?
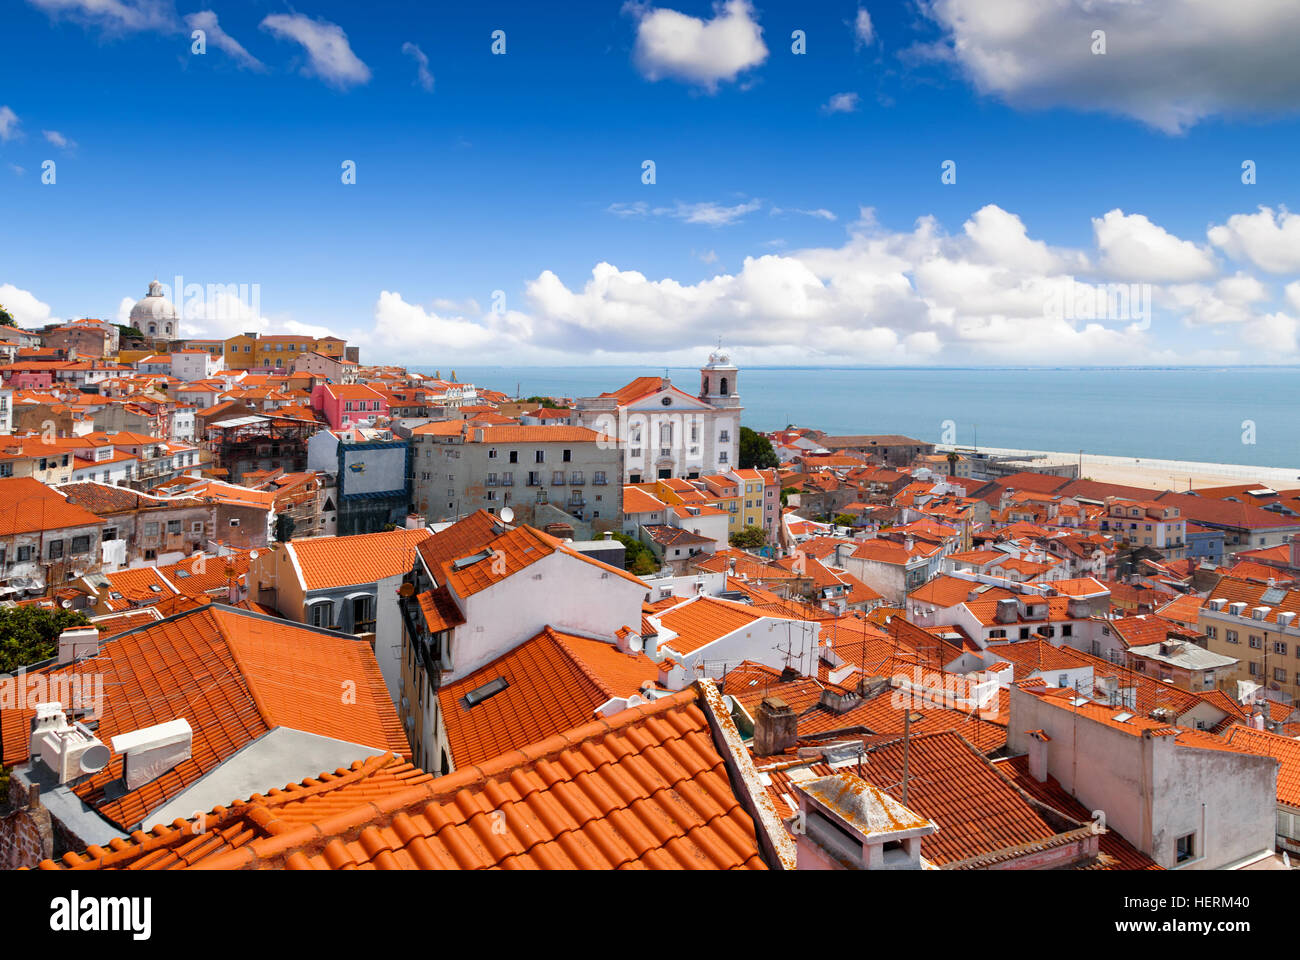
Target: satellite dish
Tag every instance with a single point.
(252, 554)
(507, 514)
(66, 604)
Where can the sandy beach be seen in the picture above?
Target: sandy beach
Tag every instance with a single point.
(1177, 475)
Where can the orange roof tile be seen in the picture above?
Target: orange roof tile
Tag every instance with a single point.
(234, 676)
(643, 789)
(1284, 749)
(27, 506)
(328, 562)
(556, 681)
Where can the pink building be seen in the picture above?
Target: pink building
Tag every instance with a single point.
(349, 404)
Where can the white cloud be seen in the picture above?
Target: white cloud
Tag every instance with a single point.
(206, 21)
(329, 55)
(1293, 294)
(1168, 63)
(8, 124)
(841, 103)
(26, 310)
(114, 15)
(700, 52)
(59, 140)
(706, 212)
(863, 32)
(1271, 243)
(423, 77)
(980, 294)
(1134, 248)
(1231, 300)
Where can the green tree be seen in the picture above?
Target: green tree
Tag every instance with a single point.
(29, 634)
(845, 520)
(785, 495)
(6, 318)
(756, 451)
(750, 538)
(639, 560)
(284, 527)
(545, 402)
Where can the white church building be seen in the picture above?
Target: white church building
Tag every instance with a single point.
(664, 431)
(155, 315)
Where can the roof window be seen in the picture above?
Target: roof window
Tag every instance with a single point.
(488, 690)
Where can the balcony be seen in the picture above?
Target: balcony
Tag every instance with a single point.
(577, 480)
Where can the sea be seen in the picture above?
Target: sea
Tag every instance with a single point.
(1232, 415)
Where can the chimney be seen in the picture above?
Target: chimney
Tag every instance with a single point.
(628, 641)
(846, 823)
(78, 642)
(68, 750)
(774, 728)
(1008, 610)
(152, 751)
(1038, 741)
(837, 702)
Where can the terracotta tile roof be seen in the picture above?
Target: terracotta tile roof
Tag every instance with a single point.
(882, 714)
(234, 676)
(462, 538)
(28, 506)
(112, 624)
(1285, 749)
(196, 576)
(750, 683)
(328, 562)
(507, 554)
(977, 809)
(138, 587)
(702, 620)
(1122, 854)
(1030, 656)
(643, 789)
(440, 610)
(1146, 629)
(1135, 724)
(636, 500)
(556, 681)
(746, 564)
(947, 591)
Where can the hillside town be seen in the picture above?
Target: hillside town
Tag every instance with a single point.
(268, 607)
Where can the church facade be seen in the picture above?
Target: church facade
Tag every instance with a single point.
(664, 431)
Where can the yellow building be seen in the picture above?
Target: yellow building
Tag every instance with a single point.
(250, 351)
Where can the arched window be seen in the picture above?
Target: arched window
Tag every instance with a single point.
(723, 389)
(153, 329)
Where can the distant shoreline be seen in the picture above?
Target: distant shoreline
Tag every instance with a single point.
(1156, 474)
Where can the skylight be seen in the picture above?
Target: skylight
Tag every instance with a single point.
(488, 690)
(469, 561)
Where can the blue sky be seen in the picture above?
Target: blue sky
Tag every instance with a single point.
(796, 232)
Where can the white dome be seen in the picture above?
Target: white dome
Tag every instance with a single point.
(154, 309)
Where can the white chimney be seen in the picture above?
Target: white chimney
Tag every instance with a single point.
(152, 751)
(1038, 741)
(69, 750)
(78, 642)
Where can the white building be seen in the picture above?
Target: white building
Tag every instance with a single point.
(1184, 801)
(665, 431)
(191, 365)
